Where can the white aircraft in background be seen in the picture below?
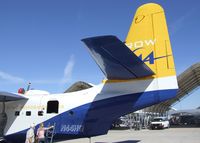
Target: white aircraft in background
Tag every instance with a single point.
(188, 116)
(139, 73)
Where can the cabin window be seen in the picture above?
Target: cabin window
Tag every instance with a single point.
(40, 113)
(17, 113)
(71, 113)
(28, 113)
(52, 106)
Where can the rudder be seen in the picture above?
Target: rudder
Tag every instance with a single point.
(148, 38)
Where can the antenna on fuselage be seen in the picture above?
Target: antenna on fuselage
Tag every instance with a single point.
(28, 87)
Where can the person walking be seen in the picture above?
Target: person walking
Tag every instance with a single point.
(30, 135)
(41, 133)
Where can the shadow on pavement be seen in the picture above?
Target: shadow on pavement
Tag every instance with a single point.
(185, 126)
(128, 141)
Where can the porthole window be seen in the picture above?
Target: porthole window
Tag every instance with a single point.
(28, 113)
(40, 113)
(17, 113)
(71, 113)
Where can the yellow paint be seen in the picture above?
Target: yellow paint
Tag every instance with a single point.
(148, 33)
(32, 107)
(129, 80)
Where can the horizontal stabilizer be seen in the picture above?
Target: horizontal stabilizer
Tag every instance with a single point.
(115, 59)
(7, 96)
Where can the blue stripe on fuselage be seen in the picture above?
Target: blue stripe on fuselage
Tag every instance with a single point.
(95, 118)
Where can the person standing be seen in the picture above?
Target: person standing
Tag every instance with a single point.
(30, 135)
(40, 133)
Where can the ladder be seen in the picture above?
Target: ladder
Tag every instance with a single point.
(50, 134)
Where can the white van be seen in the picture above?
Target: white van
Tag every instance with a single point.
(159, 123)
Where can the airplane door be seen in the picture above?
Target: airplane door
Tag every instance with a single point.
(50, 111)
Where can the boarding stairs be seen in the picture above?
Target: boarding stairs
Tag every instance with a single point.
(50, 133)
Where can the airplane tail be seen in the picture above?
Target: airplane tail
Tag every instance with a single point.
(139, 72)
(148, 38)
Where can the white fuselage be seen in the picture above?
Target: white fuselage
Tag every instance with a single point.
(68, 101)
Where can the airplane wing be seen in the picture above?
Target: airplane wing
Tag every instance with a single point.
(7, 96)
(115, 59)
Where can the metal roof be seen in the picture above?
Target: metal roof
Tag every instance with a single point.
(80, 85)
(188, 82)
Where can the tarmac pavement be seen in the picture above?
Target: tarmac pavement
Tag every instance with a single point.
(171, 135)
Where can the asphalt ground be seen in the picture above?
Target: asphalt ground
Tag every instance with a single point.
(171, 135)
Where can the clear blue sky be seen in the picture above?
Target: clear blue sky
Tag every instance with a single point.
(40, 39)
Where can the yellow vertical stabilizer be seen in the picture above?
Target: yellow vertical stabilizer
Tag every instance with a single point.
(148, 38)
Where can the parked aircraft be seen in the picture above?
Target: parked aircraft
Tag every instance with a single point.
(190, 116)
(139, 72)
